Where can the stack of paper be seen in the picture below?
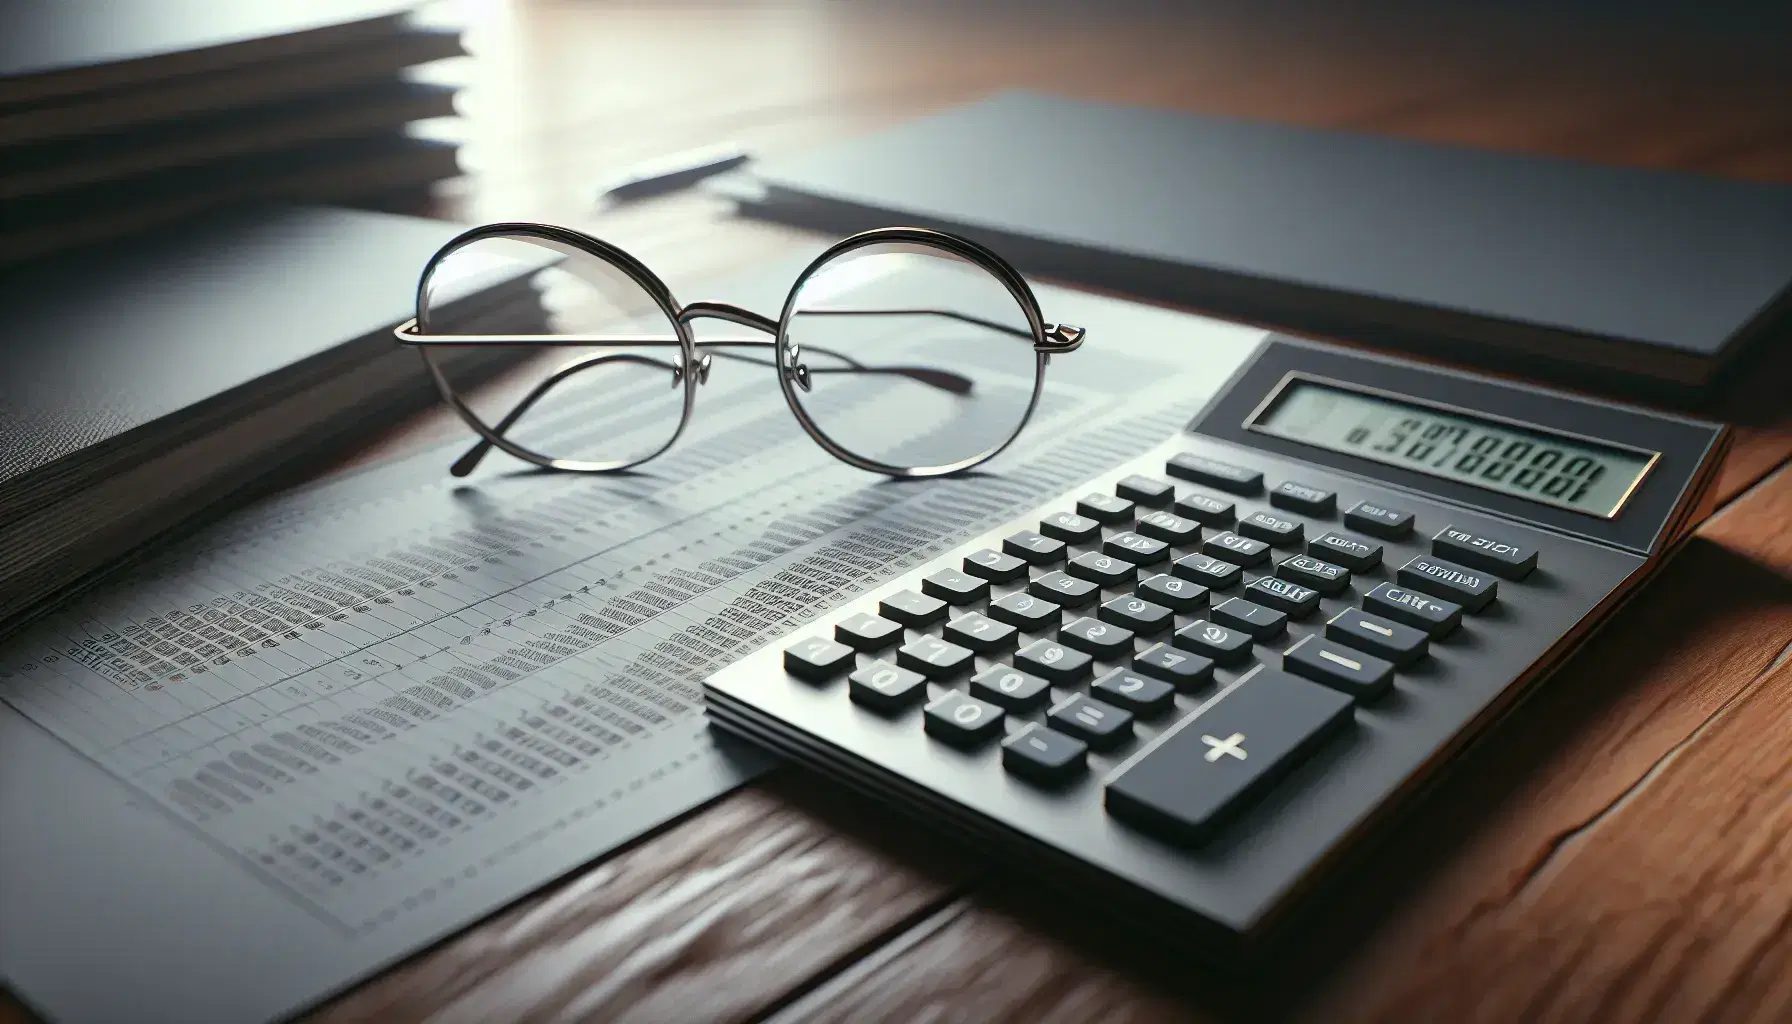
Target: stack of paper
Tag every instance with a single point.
(122, 115)
(162, 377)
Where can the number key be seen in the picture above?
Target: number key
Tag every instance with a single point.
(994, 566)
(935, 659)
(961, 720)
(1011, 688)
(1092, 636)
(817, 658)
(1064, 589)
(1035, 548)
(1105, 508)
(885, 687)
(1169, 527)
(1053, 662)
(1024, 611)
(954, 587)
(1138, 614)
(1103, 570)
(1135, 691)
(1226, 646)
(1181, 669)
(867, 632)
(912, 609)
(1070, 527)
(1137, 549)
(1176, 594)
(980, 633)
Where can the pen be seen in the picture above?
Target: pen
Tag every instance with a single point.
(671, 173)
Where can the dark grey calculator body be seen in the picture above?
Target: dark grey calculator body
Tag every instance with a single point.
(1376, 558)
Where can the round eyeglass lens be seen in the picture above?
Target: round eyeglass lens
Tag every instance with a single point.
(910, 357)
(580, 406)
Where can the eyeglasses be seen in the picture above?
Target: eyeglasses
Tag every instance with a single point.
(903, 351)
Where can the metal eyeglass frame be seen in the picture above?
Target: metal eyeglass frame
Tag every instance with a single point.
(692, 370)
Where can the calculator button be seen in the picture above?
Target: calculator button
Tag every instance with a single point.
(1214, 762)
(1010, 688)
(1500, 557)
(1138, 614)
(994, 566)
(935, 659)
(1317, 573)
(1378, 520)
(1102, 726)
(1383, 638)
(1225, 476)
(1093, 636)
(912, 609)
(1034, 547)
(1146, 491)
(961, 720)
(1136, 548)
(1105, 508)
(1209, 639)
(1044, 756)
(1070, 527)
(954, 587)
(1434, 616)
(1345, 551)
(817, 658)
(979, 633)
(1064, 589)
(867, 632)
(1169, 527)
(886, 687)
(1262, 623)
(1181, 669)
(1135, 691)
(1296, 600)
(1024, 611)
(1345, 669)
(1210, 572)
(1281, 532)
(1471, 589)
(1205, 510)
(1237, 550)
(1053, 661)
(1175, 594)
(1301, 498)
(1103, 570)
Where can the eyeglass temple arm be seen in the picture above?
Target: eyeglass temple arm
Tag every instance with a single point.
(471, 458)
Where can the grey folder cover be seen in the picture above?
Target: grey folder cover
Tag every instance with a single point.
(148, 381)
(1491, 257)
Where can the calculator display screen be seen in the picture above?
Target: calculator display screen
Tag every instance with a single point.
(1569, 472)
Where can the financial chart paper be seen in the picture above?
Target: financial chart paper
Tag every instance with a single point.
(368, 696)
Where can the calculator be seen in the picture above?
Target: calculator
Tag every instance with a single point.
(1189, 688)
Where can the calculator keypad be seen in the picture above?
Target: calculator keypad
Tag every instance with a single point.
(1127, 608)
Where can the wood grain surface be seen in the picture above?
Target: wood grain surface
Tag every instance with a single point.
(1617, 850)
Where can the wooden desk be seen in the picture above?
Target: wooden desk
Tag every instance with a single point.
(1617, 850)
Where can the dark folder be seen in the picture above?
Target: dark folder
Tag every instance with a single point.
(1552, 266)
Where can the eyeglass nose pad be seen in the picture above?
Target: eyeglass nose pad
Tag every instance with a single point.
(700, 367)
(798, 371)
